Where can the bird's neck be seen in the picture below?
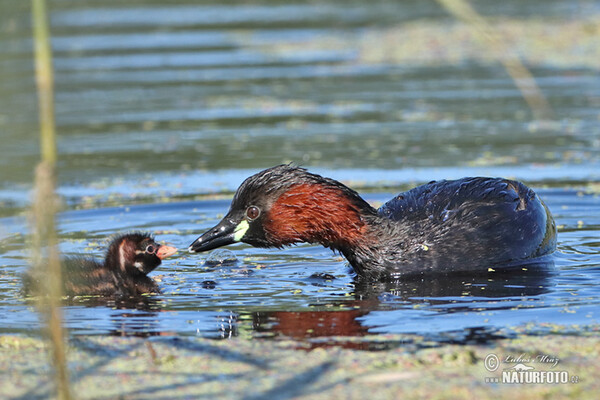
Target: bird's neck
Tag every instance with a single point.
(118, 256)
(369, 255)
(333, 216)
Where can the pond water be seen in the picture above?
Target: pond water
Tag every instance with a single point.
(162, 111)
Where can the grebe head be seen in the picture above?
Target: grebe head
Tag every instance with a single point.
(136, 253)
(285, 204)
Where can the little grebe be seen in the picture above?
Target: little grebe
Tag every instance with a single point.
(130, 257)
(465, 225)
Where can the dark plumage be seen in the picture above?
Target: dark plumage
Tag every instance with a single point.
(465, 225)
(129, 258)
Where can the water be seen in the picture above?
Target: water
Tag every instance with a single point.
(163, 110)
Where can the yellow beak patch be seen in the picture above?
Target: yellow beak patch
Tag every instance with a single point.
(240, 230)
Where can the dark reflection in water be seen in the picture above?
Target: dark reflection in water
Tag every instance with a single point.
(319, 328)
(142, 303)
(536, 280)
(131, 316)
(434, 290)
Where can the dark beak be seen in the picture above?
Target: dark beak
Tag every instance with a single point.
(220, 235)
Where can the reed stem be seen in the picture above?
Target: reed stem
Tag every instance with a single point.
(45, 203)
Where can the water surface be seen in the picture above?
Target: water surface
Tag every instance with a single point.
(163, 110)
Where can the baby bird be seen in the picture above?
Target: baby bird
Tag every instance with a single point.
(129, 259)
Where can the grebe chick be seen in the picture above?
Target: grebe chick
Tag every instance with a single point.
(129, 259)
(466, 225)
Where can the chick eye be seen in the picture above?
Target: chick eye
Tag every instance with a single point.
(150, 249)
(252, 213)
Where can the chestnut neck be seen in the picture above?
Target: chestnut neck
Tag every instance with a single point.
(331, 215)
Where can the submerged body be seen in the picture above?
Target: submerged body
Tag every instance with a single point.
(123, 273)
(465, 225)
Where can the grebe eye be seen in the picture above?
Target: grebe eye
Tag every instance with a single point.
(150, 249)
(252, 213)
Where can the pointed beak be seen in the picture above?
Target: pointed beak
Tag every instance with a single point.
(221, 235)
(165, 251)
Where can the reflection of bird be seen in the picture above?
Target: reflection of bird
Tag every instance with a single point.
(129, 259)
(468, 224)
(316, 324)
(521, 367)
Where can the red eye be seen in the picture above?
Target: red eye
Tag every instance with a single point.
(150, 249)
(252, 213)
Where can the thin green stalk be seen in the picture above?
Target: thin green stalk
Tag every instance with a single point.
(44, 75)
(520, 74)
(45, 202)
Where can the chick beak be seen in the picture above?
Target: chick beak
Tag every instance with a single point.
(165, 251)
(221, 235)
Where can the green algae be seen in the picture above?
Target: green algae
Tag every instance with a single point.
(176, 368)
